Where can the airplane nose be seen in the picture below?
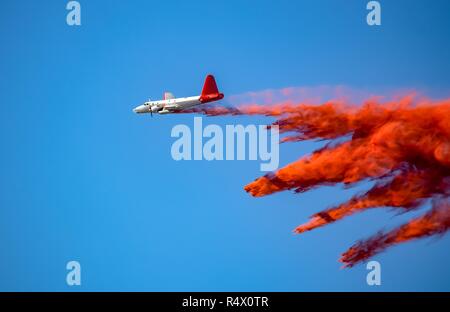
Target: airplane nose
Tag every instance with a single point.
(140, 109)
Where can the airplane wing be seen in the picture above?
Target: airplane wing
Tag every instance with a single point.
(170, 108)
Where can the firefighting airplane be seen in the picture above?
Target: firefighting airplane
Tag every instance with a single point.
(170, 104)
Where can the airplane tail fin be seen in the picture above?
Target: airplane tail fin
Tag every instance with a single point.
(210, 86)
(168, 96)
(210, 92)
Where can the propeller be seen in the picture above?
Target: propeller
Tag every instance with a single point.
(151, 111)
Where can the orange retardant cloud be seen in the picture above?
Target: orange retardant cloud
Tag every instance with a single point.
(402, 145)
(435, 222)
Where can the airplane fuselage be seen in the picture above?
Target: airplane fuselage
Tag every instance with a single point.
(168, 106)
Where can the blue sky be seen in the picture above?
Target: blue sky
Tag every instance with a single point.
(83, 178)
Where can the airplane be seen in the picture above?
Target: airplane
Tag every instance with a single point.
(170, 104)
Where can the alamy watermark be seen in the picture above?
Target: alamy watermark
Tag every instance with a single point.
(73, 277)
(237, 142)
(374, 16)
(73, 18)
(373, 278)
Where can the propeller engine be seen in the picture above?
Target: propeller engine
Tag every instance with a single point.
(154, 109)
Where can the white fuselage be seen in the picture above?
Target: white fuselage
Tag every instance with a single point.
(168, 106)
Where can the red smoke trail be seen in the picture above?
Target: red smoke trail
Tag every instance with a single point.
(436, 221)
(403, 146)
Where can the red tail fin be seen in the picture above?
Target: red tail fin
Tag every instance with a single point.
(210, 92)
(210, 86)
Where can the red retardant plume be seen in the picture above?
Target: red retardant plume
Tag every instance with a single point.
(403, 146)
